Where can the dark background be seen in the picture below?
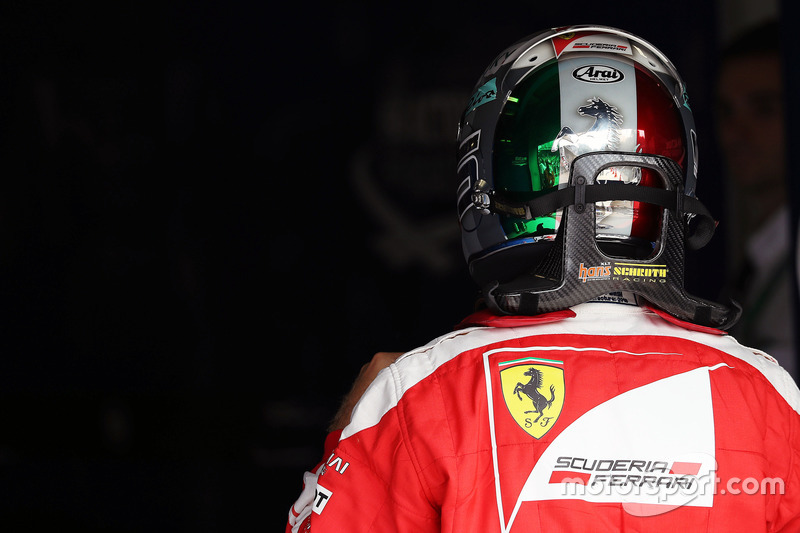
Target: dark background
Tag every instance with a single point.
(211, 216)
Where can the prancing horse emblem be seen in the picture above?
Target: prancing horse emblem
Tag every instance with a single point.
(605, 134)
(602, 135)
(531, 390)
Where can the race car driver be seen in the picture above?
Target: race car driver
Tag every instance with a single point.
(592, 392)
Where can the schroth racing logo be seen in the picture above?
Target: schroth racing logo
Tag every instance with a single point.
(638, 273)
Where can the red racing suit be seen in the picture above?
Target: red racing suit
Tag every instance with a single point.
(603, 417)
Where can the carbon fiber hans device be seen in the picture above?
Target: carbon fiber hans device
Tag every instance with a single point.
(576, 270)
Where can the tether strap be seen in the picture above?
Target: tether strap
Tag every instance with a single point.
(548, 202)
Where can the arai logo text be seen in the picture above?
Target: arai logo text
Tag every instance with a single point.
(598, 74)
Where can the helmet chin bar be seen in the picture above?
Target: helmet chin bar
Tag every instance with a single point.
(575, 270)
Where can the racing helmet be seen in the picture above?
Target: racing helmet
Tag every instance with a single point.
(594, 94)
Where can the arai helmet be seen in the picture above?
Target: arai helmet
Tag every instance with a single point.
(542, 105)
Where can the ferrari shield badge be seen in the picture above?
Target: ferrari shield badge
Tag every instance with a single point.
(533, 390)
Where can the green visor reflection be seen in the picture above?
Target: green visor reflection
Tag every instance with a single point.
(524, 161)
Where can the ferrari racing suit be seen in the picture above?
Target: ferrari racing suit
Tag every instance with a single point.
(603, 417)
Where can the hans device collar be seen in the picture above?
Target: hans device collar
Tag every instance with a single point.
(575, 270)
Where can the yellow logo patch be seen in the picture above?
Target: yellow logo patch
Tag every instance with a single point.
(533, 390)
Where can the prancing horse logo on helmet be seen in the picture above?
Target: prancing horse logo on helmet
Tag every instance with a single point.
(534, 394)
(603, 135)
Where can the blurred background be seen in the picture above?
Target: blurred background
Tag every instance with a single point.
(212, 214)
